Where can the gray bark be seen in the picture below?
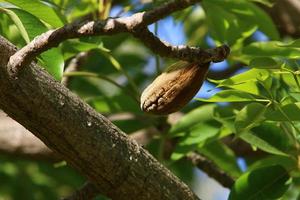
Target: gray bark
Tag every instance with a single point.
(89, 142)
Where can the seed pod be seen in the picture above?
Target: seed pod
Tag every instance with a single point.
(174, 88)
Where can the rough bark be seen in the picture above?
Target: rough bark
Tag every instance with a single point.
(118, 166)
(135, 24)
(211, 169)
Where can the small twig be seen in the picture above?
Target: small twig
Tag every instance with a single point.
(135, 24)
(211, 169)
(182, 52)
(87, 192)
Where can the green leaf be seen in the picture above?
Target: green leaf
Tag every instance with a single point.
(286, 162)
(194, 26)
(295, 43)
(115, 104)
(75, 46)
(226, 26)
(41, 10)
(241, 11)
(261, 144)
(231, 96)
(222, 156)
(289, 80)
(268, 3)
(264, 183)
(269, 138)
(246, 81)
(290, 112)
(271, 49)
(18, 23)
(250, 116)
(218, 26)
(264, 63)
(198, 115)
(295, 96)
(249, 75)
(199, 134)
(194, 138)
(30, 27)
(54, 66)
(226, 116)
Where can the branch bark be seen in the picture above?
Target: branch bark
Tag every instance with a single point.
(211, 169)
(17, 141)
(135, 24)
(117, 165)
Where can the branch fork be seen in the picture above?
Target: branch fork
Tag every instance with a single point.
(135, 25)
(109, 166)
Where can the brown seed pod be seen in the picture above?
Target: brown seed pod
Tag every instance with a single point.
(174, 88)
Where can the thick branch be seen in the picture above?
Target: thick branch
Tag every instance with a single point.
(211, 169)
(17, 141)
(117, 165)
(135, 24)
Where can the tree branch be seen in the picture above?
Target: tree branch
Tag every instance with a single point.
(182, 52)
(211, 169)
(117, 165)
(135, 24)
(17, 141)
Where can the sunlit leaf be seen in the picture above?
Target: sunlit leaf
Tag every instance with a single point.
(295, 43)
(271, 49)
(249, 75)
(231, 96)
(246, 81)
(268, 3)
(30, 27)
(42, 10)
